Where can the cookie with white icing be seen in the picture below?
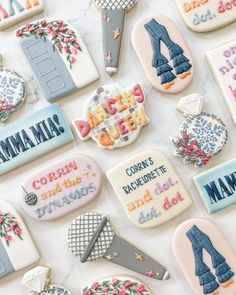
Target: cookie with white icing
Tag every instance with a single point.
(222, 61)
(61, 187)
(149, 189)
(205, 257)
(113, 116)
(12, 92)
(14, 11)
(116, 284)
(163, 53)
(37, 280)
(207, 15)
(17, 249)
(57, 57)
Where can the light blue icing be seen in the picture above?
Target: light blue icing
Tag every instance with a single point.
(48, 67)
(217, 186)
(33, 136)
(5, 262)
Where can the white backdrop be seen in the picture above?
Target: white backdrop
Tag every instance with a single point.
(51, 238)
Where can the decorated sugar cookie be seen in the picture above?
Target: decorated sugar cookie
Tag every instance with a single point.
(205, 257)
(38, 282)
(116, 284)
(207, 15)
(33, 136)
(14, 11)
(222, 61)
(113, 18)
(163, 54)
(17, 250)
(202, 135)
(61, 188)
(12, 92)
(113, 116)
(149, 189)
(217, 186)
(57, 57)
(91, 236)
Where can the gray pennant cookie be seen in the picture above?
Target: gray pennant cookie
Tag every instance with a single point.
(92, 236)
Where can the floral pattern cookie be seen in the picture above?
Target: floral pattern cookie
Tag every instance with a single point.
(12, 92)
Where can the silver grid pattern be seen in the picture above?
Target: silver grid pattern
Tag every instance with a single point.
(81, 232)
(115, 4)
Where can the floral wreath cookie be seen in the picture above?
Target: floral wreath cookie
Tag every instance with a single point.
(38, 282)
(202, 135)
(116, 285)
(12, 92)
(57, 57)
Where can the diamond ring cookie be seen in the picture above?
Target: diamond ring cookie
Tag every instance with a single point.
(12, 92)
(202, 135)
(32, 136)
(163, 54)
(38, 282)
(217, 186)
(14, 11)
(207, 15)
(91, 236)
(57, 57)
(113, 18)
(116, 284)
(149, 189)
(222, 61)
(17, 249)
(206, 259)
(113, 116)
(61, 187)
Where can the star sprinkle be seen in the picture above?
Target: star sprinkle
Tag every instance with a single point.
(109, 57)
(94, 174)
(109, 257)
(138, 257)
(105, 17)
(85, 172)
(151, 273)
(115, 254)
(116, 33)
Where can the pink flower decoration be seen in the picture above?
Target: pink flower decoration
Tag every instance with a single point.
(142, 288)
(114, 281)
(49, 27)
(104, 289)
(29, 27)
(72, 59)
(55, 29)
(8, 229)
(114, 291)
(15, 223)
(66, 49)
(70, 32)
(60, 37)
(128, 284)
(44, 23)
(185, 136)
(67, 40)
(54, 34)
(39, 32)
(95, 286)
(18, 231)
(72, 40)
(60, 22)
(8, 238)
(9, 216)
(48, 31)
(58, 45)
(19, 33)
(74, 50)
(77, 45)
(63, 30)
(1, 220)
(87, 292)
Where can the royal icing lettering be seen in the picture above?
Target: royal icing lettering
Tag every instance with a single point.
(17, 250)
(217, 186)
(113, 18)
(207, 15)
(12, 92)
(114, 116)
(61, 188)
(32, 136)
(91, 236)
(163, 54)
(222, 61)
(149, 189)
(13, 11)
(116, 285)
(206, 259)
(57, 57)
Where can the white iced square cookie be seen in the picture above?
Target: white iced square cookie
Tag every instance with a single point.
(222, 61)
(149, 189)
(14, 11)
(57, 57)
(17, 249)
(207, 15)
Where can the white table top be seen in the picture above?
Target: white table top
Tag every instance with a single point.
(51, 238)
